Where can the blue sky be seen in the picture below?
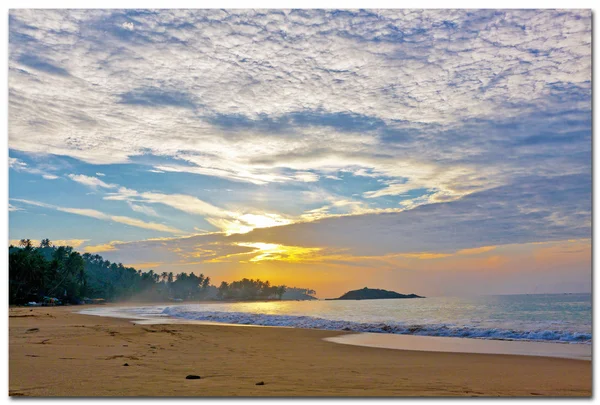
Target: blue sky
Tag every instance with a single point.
(184, 139)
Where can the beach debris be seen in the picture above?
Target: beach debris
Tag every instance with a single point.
(32, 330)
(260, 383)
(192, 377)
(126, 365)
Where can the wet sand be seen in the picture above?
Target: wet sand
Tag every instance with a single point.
(458, 345)
(56, 352)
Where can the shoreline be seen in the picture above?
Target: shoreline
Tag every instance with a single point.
(54, 351)
(394, 341)
(436, 344)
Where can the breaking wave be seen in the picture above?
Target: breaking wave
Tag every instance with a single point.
(446, 330)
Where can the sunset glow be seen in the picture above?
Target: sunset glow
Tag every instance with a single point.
(438, 152)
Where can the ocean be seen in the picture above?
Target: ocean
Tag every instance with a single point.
(556, 318)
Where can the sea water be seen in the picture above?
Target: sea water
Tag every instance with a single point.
(556, 318)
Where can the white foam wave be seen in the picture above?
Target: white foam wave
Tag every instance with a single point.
(446, 330)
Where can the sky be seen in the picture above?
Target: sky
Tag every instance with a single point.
(436, 152)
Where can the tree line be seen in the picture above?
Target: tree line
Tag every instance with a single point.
(249, 289)
(46, 270)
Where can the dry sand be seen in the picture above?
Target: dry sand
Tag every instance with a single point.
(56, 352)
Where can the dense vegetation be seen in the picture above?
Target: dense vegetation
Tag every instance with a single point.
(45, 271)
(63, 273)
(249, 289)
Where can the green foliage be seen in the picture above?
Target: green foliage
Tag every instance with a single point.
(45, 271)
(61, 272)
(249, 289)
(299, 294)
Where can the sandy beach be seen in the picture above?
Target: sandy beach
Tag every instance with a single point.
(57, 352)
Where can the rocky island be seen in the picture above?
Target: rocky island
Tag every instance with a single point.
(373, 294)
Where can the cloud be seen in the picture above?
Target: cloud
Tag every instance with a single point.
(86, 212)
(41, 65)
(436, 134)
(106, 247)
(507, 268)
(143, 209)
(90, 181)
(16, 164)
(525, 214)
(402, 95)
(12, 208)
(230, 221)
(20, 166)
(476, 251)
(185, 203)
(533, 209)
(128, 26)
(146, 225)
(152, 97)
(306, 177)
(107, 217)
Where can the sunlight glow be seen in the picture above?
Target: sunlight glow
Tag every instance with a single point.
(272, 251)
(247, 222)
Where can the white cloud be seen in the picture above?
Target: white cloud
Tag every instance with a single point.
(13, 208)
(230, 221)
(143, 209)
(309, 101)
(128, 26)
(411, 101)
(90, 181)
(306, 177)
(107, 217)
(146, 225)
(16, 164)
(185, 203)
(20, 166)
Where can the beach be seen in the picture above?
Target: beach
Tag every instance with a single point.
(55, 351)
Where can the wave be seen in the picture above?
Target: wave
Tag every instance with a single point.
(445, 330)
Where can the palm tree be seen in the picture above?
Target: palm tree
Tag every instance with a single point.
(223, 289)
(205, 283)
(26, 243)
(45, 243)
(280, 291)
(163, 276)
